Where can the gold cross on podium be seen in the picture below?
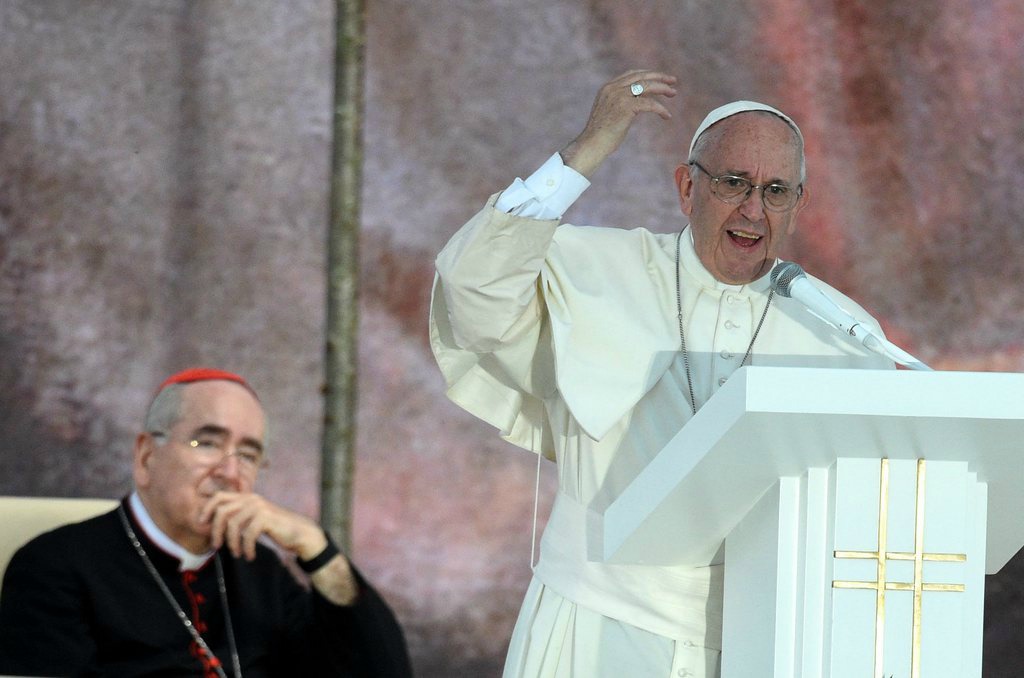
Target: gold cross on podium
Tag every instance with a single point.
(881, 584)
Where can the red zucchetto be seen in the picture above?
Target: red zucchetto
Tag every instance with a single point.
(194, 374)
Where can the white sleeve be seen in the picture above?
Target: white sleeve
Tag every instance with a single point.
(546, 194)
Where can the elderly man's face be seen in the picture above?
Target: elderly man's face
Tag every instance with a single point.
(177, 473)
(739, 243)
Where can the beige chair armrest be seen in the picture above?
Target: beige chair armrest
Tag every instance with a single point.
(22, 518)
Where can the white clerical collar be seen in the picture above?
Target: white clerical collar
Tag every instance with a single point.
(692, 264)
(189, 560)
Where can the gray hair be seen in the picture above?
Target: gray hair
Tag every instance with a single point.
(713, 133)
(165, 409)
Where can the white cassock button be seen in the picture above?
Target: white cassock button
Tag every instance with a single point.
(683, 673)
(722, 380)
(730, 325)
(727, 355)
(551, 182)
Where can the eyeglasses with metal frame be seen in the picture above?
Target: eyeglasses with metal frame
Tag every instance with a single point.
(734, 190)
(212, 450)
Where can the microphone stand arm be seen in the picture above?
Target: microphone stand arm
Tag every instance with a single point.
(886, 348)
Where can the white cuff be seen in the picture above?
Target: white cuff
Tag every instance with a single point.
(546, 194)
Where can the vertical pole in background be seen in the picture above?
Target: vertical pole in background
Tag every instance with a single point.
(341, 346)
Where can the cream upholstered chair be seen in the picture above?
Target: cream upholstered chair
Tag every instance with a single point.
(22, 518)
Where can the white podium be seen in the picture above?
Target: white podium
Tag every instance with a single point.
(857, 513)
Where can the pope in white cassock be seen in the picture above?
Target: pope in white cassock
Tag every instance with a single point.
(594, 346)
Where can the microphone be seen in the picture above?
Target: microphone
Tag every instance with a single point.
(789, 280)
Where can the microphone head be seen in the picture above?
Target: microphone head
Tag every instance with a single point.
(783, 275)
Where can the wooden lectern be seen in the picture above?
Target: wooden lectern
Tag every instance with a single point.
(857, 513)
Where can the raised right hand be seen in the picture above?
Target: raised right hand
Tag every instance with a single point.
(613, 113)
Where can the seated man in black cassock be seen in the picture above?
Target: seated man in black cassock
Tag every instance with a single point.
(173, 581)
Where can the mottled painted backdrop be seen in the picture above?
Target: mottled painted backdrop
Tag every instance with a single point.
(163, 174)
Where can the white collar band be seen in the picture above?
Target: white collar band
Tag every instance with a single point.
(189, 560)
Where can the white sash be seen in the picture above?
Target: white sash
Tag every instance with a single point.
(682, 603)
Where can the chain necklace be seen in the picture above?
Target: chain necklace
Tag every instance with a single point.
(682, 335)
(189, 626)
